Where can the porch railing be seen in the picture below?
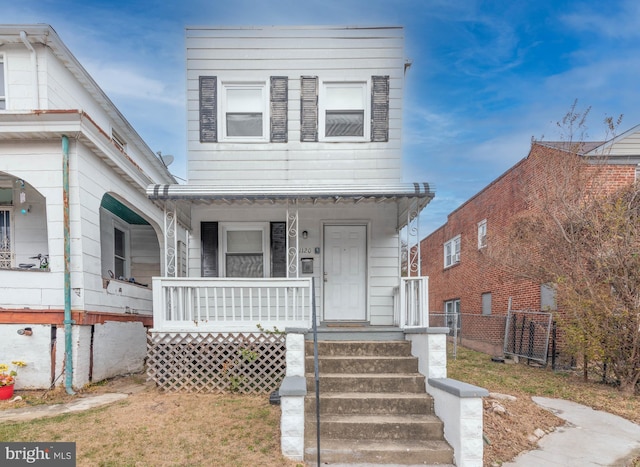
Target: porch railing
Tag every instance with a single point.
(411, 304)
(230, 305)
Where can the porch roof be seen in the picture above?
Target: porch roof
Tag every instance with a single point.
(409, 196)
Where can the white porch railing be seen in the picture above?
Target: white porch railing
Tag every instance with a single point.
(230, 305)
(411, 303)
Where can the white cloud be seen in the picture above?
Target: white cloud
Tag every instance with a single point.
(116, 80)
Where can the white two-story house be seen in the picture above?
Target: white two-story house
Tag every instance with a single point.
(79, 239)
(294, 172)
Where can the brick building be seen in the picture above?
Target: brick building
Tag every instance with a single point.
(462, 277)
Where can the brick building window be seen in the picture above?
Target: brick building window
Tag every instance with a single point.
(452, 313)
(482, 234)
(486, 304)
(452, 252)
(548, 297)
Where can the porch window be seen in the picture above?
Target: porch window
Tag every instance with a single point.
(5, 238)
(244, 111)
(452, 252)
(344, 111)
(252, 249)
(244, 257)
(3, 92)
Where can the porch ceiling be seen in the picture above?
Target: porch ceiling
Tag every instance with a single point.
(408, 196)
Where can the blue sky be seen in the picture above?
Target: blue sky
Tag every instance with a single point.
(486, 76)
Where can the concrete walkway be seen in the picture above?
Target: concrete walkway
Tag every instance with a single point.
(24, 414)
(589, 438)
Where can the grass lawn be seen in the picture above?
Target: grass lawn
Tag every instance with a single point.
(152, 428)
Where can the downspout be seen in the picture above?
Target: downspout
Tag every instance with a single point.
(68, 380)
(34, 67)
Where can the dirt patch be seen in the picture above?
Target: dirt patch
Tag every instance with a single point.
(513, 425)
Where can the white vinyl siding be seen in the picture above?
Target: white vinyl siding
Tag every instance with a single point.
(332, 55)
(452, 252)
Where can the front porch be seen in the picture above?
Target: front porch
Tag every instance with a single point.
(219, 305)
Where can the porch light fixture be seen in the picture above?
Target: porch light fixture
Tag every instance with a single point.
(25, 211)
(305, 234)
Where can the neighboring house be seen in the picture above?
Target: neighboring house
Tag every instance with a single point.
(462, 278)
(73, 175)
(294, 171)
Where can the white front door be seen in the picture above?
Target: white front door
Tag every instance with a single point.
(345, 272)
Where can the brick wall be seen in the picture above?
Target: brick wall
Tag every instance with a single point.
(498, 203)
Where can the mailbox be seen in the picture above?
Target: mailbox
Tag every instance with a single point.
(307, 265)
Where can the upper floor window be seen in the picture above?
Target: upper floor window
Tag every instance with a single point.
(482, 234)
(3, 92)
(244, 111)
(452, 252)
(344, 111)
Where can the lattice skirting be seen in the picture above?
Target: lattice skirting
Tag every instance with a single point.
(250, 363)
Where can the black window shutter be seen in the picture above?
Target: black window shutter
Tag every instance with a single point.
(279, 108)
(208, 109)
(379, 108)
(278, 249)
(209, 238)
(308, 108)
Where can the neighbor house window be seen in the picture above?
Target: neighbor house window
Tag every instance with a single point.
(344, 111)
(482, 234)
(486, 303)
(6, 252)
(244, 108)
(118, 141)
(120, 249)
(452, 252)
(452, 313)
(548, 297)
(245, 250)
(3, 91)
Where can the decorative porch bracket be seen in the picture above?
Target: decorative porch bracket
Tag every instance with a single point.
(170, 239)
(413, 239)
(292, 238)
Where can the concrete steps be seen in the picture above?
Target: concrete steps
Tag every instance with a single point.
(373, 406)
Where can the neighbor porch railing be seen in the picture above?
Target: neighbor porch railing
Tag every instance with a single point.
(411, 303)
(230, 305)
